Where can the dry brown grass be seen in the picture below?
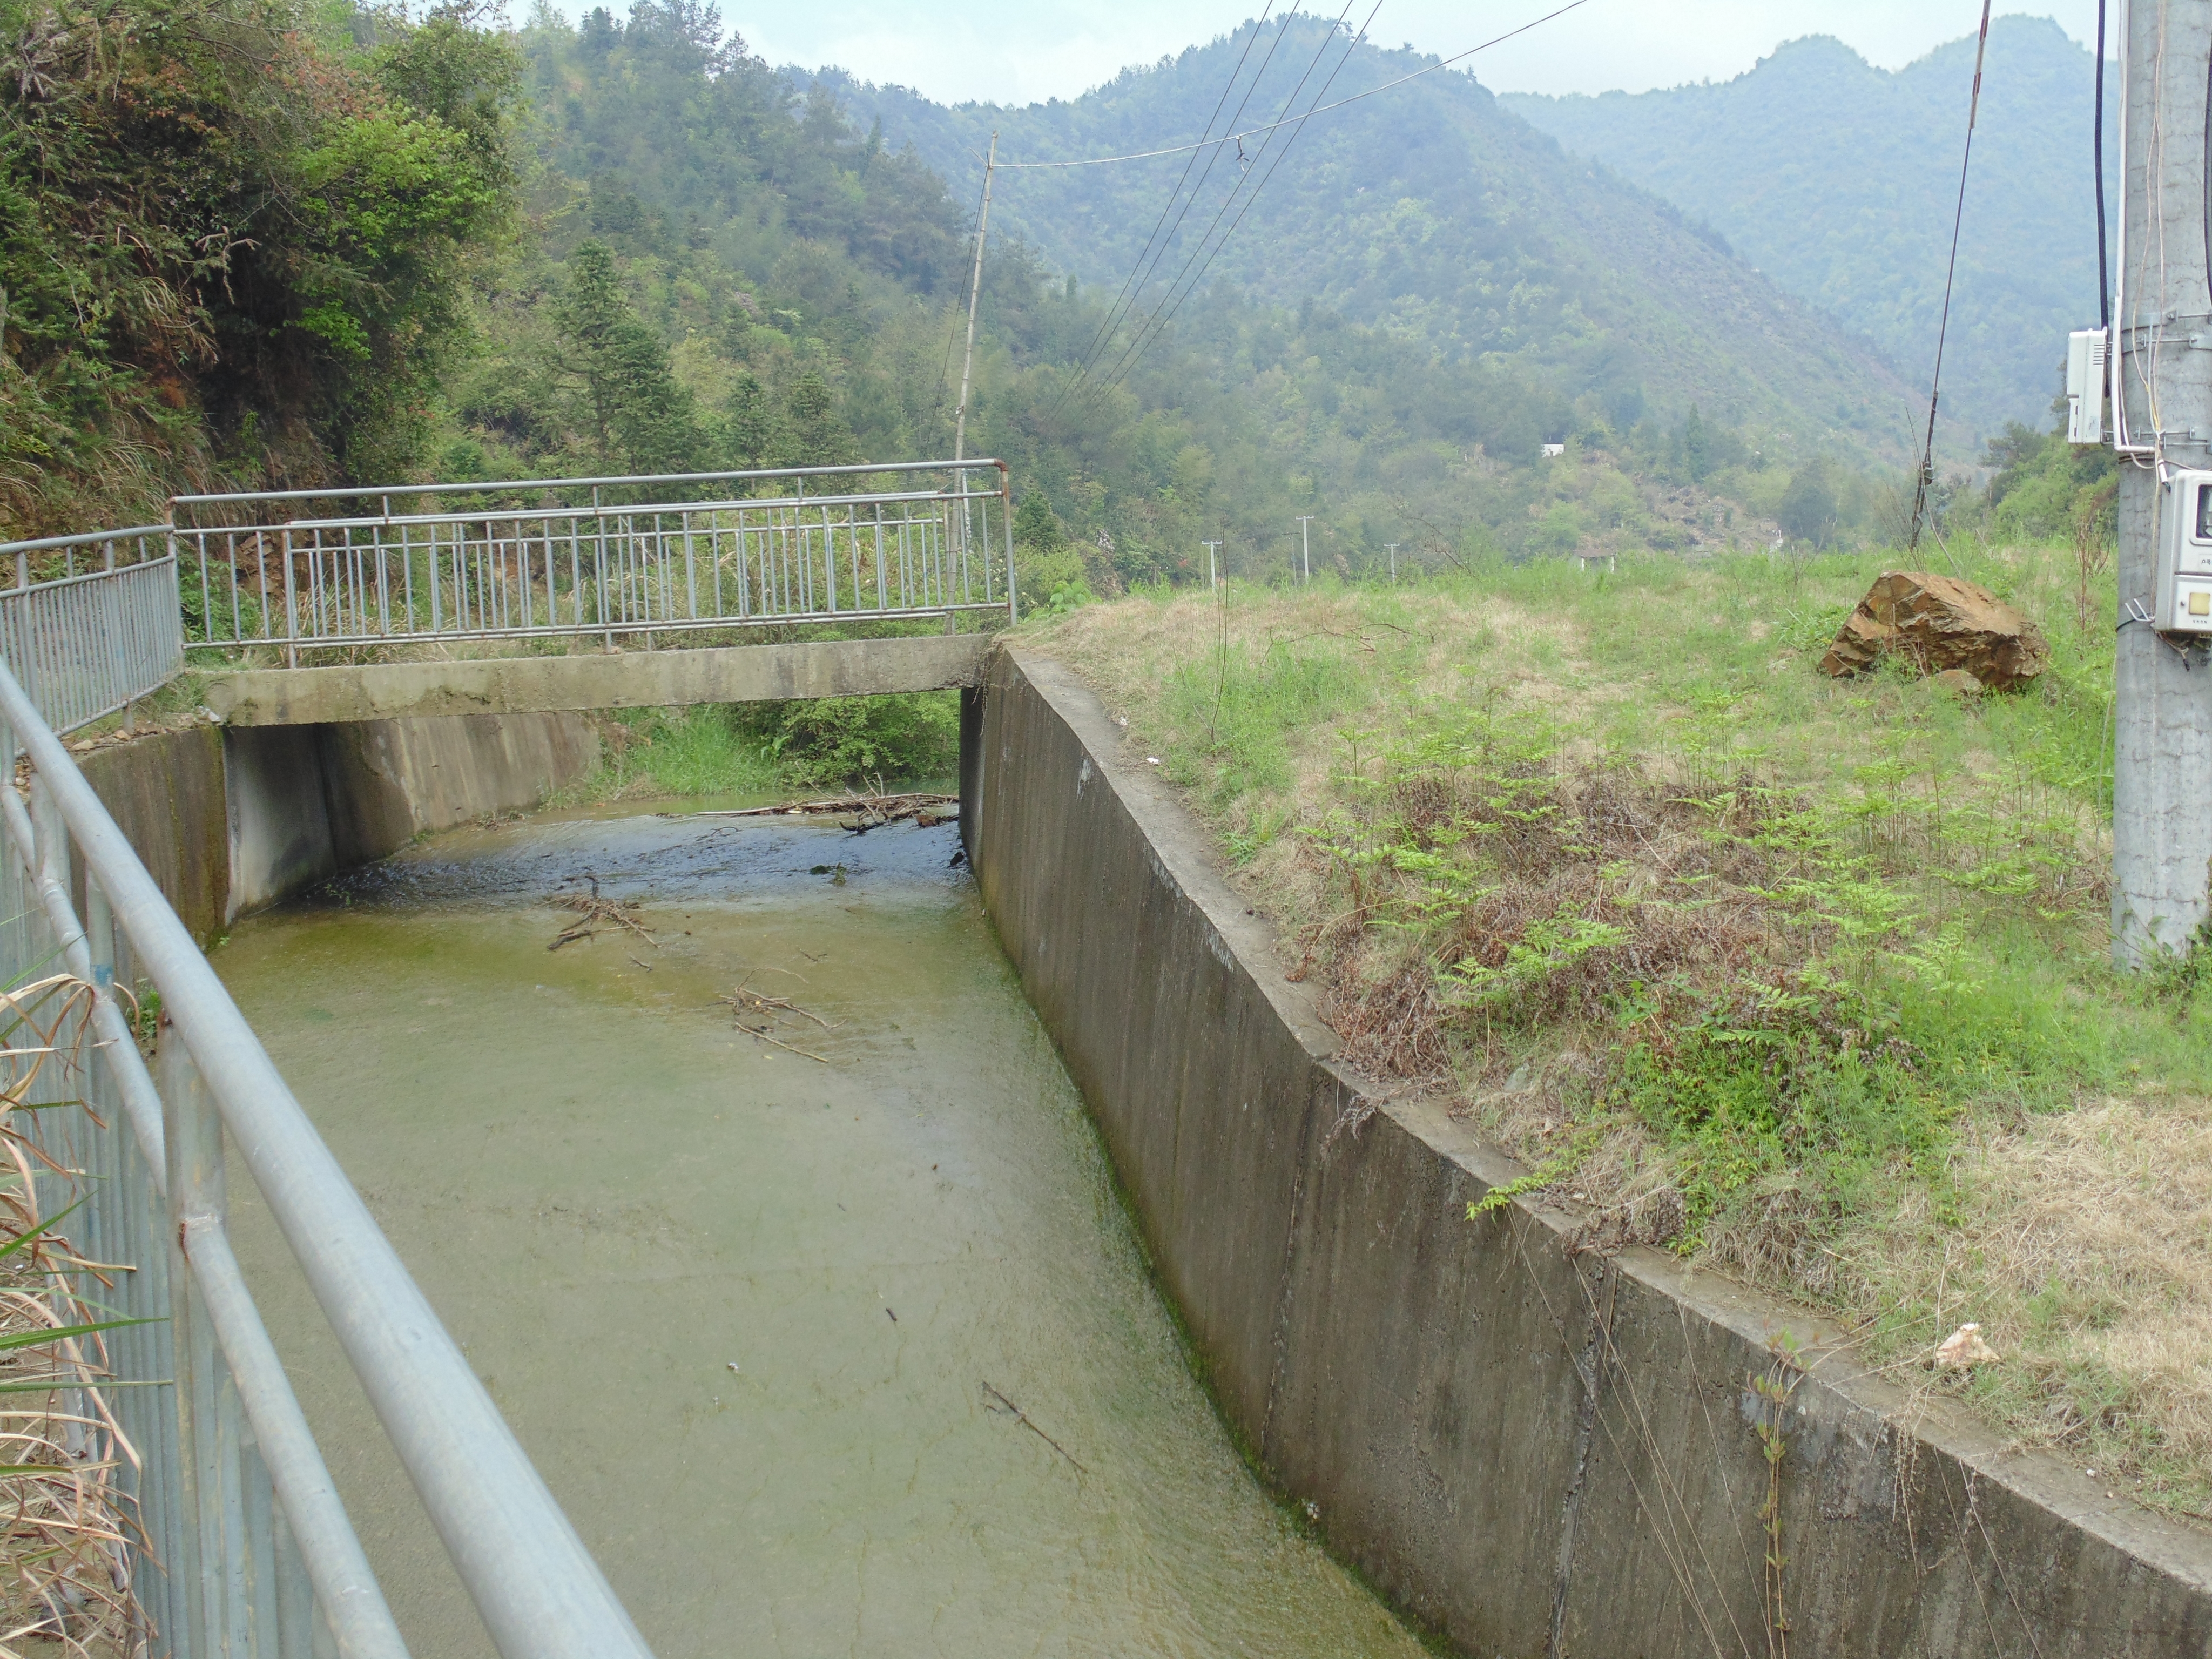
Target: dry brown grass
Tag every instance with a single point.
(2082, 1245)
(1685, 730)
(64, 1583)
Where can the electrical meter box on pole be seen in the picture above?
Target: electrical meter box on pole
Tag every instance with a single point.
(2086, 380)
(2182, 602)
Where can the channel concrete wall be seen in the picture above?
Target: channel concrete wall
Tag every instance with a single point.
(1529, 1451)
(231, 820)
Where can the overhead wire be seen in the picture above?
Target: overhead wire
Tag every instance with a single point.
(1133, 284)
(1235, 137)
(1927, 476)
(1178, 291)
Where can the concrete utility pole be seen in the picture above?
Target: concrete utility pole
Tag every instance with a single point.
(1392, 546)
(1305, 542)
(1212, 564)
(2162, 718)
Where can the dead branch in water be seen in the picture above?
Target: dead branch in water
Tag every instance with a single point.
(746, 1000)
(872, 811)
(1022, 1418)
(595, 910)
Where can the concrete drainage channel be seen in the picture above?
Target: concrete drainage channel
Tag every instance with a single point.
(1528, 1453)
(1531, 1454)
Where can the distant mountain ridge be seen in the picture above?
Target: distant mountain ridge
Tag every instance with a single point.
(1840, 180)
(1433, 212)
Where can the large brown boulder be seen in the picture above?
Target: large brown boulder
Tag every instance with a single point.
(1938, 624)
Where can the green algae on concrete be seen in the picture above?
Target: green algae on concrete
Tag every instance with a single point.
(741, 1305)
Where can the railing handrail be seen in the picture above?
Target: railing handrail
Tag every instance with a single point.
(606, 510)
(625, 480)
(538, 1589)
(84, 538)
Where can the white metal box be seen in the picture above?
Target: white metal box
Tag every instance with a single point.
(2183, 603)
(2085, 386)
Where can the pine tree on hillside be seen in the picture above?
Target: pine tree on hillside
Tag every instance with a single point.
(641, 417)
(816, 435)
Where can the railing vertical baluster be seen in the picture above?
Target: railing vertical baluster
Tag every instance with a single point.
(291, 614)
(691, 571)
(883, 596)
(599, 570)
(193, 1133)
(262, 1624)
(294, 1593)
(233, 1624)
(575, 569)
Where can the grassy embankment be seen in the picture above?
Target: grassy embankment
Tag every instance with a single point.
(1802, 979)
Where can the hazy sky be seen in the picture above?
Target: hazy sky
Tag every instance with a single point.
(1019, 51)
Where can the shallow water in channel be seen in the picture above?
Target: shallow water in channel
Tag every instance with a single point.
(740, 1305)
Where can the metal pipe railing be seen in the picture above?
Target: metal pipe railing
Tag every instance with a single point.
(515, 563)
(362, 492)
(539, 1592)
(88, 643)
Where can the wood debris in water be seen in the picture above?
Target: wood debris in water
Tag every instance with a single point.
(1004, 1405)
(770, 1010)
(871, 811)
(596, 914)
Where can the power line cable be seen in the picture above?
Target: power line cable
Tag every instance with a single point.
(1245, 175)
(1104, 343)
(2104, 272)
(1936, 388)
(1117, 310)
(1235, 137)
(1129, 362)
(1149, 330)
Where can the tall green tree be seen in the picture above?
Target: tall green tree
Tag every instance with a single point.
(1809, 507)
(642, 418)
(234, 242)
(817, 434)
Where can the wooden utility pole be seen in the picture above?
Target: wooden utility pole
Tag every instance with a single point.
(2162, 711)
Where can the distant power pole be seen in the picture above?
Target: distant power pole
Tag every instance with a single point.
(1305, 541)
(974, 293)
(2162, 691)
(1213, 565)
(1394, 563)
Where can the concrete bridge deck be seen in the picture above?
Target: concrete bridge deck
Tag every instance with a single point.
(616, 679)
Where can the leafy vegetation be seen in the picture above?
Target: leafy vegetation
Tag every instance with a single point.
(234, 245)
(776, 749)
(1794, 975)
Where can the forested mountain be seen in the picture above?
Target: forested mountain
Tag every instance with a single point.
(1429, 213)
(1840, 181)
(257, 244)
